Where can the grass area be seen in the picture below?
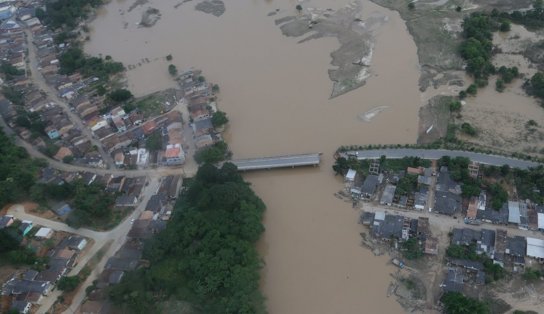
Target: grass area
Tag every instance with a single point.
(151, 105)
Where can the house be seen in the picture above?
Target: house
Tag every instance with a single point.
(169, 186)
(516, 246)
(370, 185)
(16, 286)
(350, 176)
(6, 221)
(390, 227)
(62, 153)
(203, 141)
(501, 244)
(115, 184)
(73, 243)
(535, 248)
(447, 203)
(431, 246)
(63, 210)
(420, 198)
(52, 132)
(149, 127)
(21, 306)
(424, 180)
(25, 227)
(126, 201)
(387, 195)
(119, 159)
(454, 281)
(366, 218)
(472, 209)
(115, 277)
(203, 126)
(119, 124)
(156, 203)
(174, 155)
(44, 233)
(415, 171)
(491, 215)
(513, 213)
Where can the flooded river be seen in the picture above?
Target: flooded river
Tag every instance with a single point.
(276, 93)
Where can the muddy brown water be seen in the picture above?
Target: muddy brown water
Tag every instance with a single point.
(276, 94)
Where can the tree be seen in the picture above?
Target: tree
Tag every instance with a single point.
(455, 106)
(412, 249)
(120, 95)
(457, 303)
(172, 70)
(169, 58)
(68, 283)
(468, 129)
(212, 154)
(68, 159)
(219, 119)
(411, 5)
(207, 254)
(154, 142)
(505, 26)
(299, 8)
(472, 89)
(499, 85)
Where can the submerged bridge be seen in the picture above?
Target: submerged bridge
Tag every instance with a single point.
(289, 161)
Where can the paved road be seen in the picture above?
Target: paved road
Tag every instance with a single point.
(396, 153)
(277, 162)
(39, 80)
(118, 235)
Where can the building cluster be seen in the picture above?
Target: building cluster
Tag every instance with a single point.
(152, 220)
(201, 105)
(508, 252)
(387, 227)
(37, 117)
(28, 287)
(380, 187)
(128, 190)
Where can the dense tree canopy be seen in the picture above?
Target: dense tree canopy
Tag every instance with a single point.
(457, 303)
(207, 254)
(74, 60)
(66, 13)
(213, 154)
(120, 95)
(17, 171)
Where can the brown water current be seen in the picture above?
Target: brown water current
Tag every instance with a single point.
(276, 94)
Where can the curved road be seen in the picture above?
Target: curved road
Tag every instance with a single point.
(397, 153)
(117, 235)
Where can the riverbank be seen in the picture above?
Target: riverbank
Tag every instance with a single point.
(276, 93)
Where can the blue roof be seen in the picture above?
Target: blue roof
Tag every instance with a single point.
(63, 210)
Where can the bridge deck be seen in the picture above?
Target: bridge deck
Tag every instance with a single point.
(277, 162)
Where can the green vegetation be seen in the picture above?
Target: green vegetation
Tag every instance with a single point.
(477, 46)
(120, 95)
(535, 86)
(493, 271)
(411, 249)
(499, 85)
(10, 71)
(342, 165)
(472, 90)
(172, 70)
(169, 58)
(74, 60)
(13, 252)
(457, 303)
(532, 19)
(219, 119)
(402, 164)
(505, 26)
(154, 142)
(17, 171)
(407, 185)
(468, 129)
(498, 194)
(31, 121)
(207, 255)
(455, 106)
(92, 205)
(411, 5)
(149, 106)
(532, 274)
(213, 154)
(508, 74)
(68, 283)
(13, 95)
(530, 184)
(299, 8)
(65, 13)
(463, 252)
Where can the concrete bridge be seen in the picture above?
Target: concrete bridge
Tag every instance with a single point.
(289, 161)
